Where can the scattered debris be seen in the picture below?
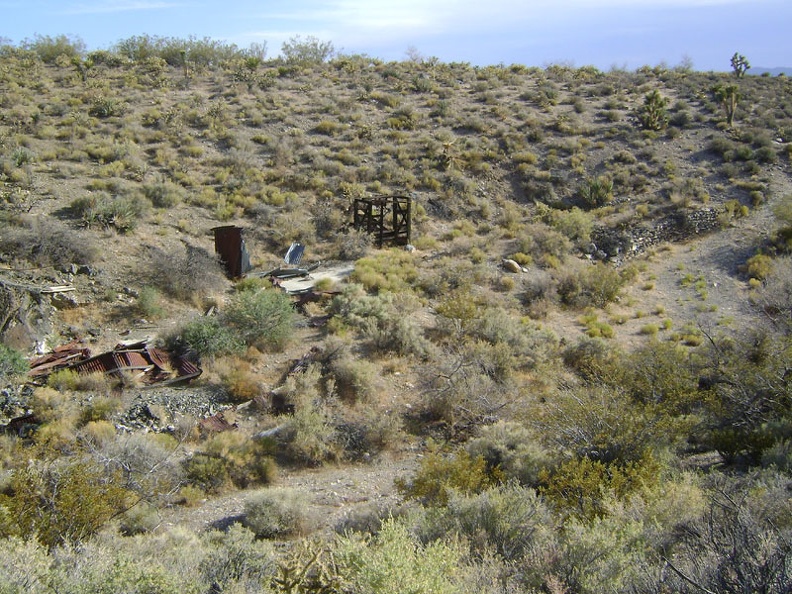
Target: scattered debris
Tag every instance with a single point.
(216, 423)
(292, 258)
(22, 426)
(294, 254)
(151, 365)
(58, 289)
(284, 273)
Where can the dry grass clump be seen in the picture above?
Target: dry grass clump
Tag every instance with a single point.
(44, 242)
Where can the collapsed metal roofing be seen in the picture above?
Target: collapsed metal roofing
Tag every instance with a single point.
(150, 364)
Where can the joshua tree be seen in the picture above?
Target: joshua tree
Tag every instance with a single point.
(739, 64)
(653, 114)
(728, 96)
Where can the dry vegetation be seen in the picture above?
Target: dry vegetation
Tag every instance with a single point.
(609, 411)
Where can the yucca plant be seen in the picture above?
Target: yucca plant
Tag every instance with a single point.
(653, 114)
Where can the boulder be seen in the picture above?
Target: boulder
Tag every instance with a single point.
(511, 266)
(25, 317)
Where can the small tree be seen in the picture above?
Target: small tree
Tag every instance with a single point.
(653, 114)
(308, 51)
(739, 64)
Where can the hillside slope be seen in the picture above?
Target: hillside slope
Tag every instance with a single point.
(576, 323)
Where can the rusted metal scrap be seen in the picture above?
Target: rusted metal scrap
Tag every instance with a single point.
(230, 247)
(291, 272)
(60, 357)
(22, 426)
(217, 423)
(151, 365)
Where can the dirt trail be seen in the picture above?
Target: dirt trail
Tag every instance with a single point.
(337, 494)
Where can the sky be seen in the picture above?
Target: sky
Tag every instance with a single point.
(603, 33)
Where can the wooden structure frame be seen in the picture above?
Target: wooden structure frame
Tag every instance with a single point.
(388, 219)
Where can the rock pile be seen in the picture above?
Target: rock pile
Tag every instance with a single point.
(625, 242)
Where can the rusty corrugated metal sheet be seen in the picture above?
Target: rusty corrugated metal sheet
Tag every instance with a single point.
(113, 362)
(61, 356)
(157, 366)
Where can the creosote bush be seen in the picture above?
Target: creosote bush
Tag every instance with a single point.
(61, 503)
(439, 476)
(261, 318)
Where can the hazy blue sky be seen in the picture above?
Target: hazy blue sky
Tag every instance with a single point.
(603, 33)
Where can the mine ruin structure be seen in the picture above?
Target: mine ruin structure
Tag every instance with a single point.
(386, 218)
(230, 247)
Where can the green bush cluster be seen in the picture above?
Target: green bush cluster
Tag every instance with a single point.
(439, 476)
(595, 285)
(230, 459)
(61, 503)
(263, 318)
(382, 320)
(12, 363)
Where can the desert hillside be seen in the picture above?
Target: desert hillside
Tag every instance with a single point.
(572, 376)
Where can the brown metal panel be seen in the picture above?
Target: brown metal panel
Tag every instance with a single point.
(230, 246)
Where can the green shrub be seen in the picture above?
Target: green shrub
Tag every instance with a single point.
(759, 266)
(653, 114)
(277, 513)
(528, 344)
(591, 357)
(356, 380)
(306, 51)
(12, 363)
(148, 303)
(595, 286)
(384, 320)
(100, 408)
(61, 502)
(581, 486)
(328, 128)
(596, 192)
(440, 475)
(209, 473)
(49, 49)
(509, 520)
(602, 422)
(206, 337)
(163, 194)
(105, 107)
(313, 436)
(599, 329)
(392, 270)
(263, 318)
(123, 213)
(396, 562)
(64, 380)
(735, 442)
(514, 450)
